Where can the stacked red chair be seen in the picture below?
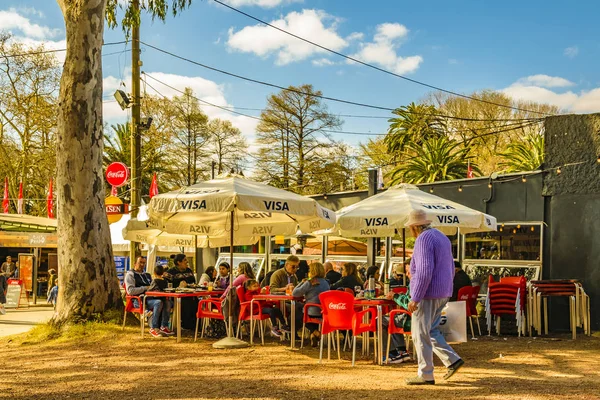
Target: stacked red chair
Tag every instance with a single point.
(506, 298)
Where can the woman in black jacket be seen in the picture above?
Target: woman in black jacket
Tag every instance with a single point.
(350, 278)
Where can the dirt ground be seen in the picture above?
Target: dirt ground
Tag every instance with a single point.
(102, 362)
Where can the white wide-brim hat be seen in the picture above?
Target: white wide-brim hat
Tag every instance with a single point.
(416, 218)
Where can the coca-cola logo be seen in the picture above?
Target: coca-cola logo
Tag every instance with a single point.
(337, 306)
(117, 174)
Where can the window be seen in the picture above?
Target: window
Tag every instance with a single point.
(512, 241)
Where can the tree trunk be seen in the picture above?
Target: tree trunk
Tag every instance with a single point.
(87, 276)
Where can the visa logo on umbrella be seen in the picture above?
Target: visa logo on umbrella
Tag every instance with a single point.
(438, 207)
(276, 205)
(193, 204)
(448, 219)
(376, 221)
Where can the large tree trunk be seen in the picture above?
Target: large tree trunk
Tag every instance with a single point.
(87, 276)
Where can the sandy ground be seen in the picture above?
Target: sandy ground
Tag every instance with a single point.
(20, 321)
(119, 365)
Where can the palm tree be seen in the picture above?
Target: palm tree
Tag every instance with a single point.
(415, 123)
(526, 155)
(437, 159)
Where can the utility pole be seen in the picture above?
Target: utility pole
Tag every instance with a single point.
(135, 126)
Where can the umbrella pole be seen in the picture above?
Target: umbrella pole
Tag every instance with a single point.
(230, 342)
(403, 254)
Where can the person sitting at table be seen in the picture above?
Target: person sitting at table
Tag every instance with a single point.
(285, 277)
(275, 265)
(311, 289)
(350, 278)
(397, 280)
(181, 275)
(209, 275)
(159, 284)
(302, 271)
(331, 274)
(137, 282)
(398, 353)
(251, 289)
(373, 272)
(461, 279)
(222, 281)
(245, 272)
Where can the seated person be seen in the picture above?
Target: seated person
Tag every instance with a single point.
(285, 277)
(350, 278)
(461, 279)
(397, 275)
(245, 272)
(209, 275)
(222, 281)
(251, 289)
(311, 289)
(398, 353)
(159, 284)
(373, 272)
(137, 282)
(331, 274)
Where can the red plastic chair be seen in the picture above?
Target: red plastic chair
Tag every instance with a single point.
(468, 294)
(393, 330)
(400, 290)
(249, 313)
(130, 307)
(339, 314)
(208, 309)
(307, 319)
(502, 299)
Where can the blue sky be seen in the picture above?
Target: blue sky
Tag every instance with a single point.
(535, 50)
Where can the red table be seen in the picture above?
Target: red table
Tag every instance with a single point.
(280, 298)
(379, 303)
(178, 296)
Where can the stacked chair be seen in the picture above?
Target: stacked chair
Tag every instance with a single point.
(579, 304)
(507, 297)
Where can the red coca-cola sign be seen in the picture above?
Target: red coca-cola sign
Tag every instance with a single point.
(117, 174)
(337, 306)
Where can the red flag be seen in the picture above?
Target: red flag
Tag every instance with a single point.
(5, 199)
(154, 186)
(113, 191)
(20, 199)
(469, 170)
(50, 202)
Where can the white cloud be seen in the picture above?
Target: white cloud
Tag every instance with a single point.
(383, 49)
(545, 81)
(452, 61)
(261, 3)
(571, 52)
(11, 20)
(310, 24)
(204, 89)
(29, 11)
(355, 36)
(569, 101)
(323, 62)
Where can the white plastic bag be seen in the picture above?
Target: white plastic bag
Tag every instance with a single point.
(454, 322)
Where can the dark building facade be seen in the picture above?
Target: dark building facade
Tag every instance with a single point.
(563, 199)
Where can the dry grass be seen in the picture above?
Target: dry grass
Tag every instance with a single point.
(98, 361)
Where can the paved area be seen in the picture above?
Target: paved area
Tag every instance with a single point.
(22, 320)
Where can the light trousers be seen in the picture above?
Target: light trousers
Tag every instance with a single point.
(428, 339)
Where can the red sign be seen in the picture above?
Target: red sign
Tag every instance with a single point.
(117, 174)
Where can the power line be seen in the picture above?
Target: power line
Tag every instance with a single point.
(375, 67)
(33, 53)
(316, 95)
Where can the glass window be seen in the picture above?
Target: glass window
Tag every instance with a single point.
(515, 242)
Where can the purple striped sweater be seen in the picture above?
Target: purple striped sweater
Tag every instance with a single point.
(431, 267)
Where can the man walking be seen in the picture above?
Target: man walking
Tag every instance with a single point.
(432, 272)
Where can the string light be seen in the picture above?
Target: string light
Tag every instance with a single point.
(518, 226)
(558, 171)
(490, 185)
(523, 179)
(598, 160)
(514, 231)
(533, 229)
(431, 189)
(501, 229)
(460, 188)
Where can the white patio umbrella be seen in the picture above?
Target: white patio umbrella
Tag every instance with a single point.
(138, 231)
(239, 207)
(385, 214)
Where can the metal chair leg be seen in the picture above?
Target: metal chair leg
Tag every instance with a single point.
(329, 346)
(338, 345)
(471, 323)
(196, 332)
(302, 339)
(124, 319)
(321, 350)
(353, 350)
(387, 351)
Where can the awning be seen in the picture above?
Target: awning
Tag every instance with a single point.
(26, 223)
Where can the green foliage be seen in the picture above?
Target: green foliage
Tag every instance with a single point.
(438, 159)
(415, 123)
(158, 9)
(526, 155)
(95, 331)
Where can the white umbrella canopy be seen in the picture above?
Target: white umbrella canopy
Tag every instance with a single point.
(385, 214)
(258, 210)
(138, 231)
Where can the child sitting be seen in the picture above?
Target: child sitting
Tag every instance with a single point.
(251, 289)
(159, 284)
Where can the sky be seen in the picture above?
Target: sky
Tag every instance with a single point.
(544, 51)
